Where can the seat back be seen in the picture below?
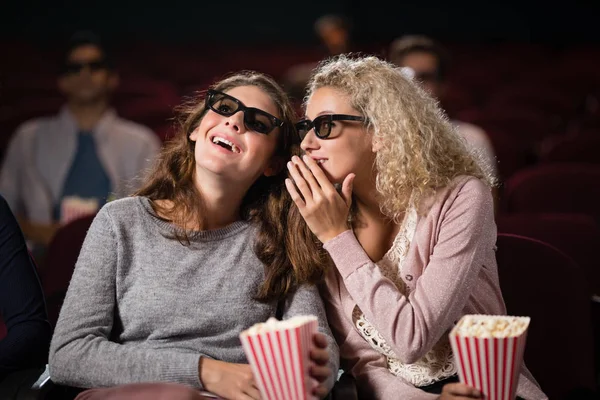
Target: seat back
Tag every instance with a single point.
(579, 149)
(577, 235)
(565, 187)
(60, 261)
(541, 282)
(2, 328)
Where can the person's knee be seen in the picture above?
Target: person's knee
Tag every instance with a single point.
(177, 392)
(139, 391)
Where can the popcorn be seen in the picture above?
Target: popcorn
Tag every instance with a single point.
(279, 355)
(73, 207)
(488, 350)
(486, 326)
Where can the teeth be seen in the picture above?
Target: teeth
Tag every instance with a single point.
(233, 147)
(320, 161)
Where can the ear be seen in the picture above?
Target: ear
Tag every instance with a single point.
(376, 143)
(113, 81)
(63, 85)
(275, 166)
(194, 135)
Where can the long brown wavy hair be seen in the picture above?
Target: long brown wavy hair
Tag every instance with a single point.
(266, 203)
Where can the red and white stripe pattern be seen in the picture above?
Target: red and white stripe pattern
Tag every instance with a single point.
(73, 208)
(492, 365)
(280, 361)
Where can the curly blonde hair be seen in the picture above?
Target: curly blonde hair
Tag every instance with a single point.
(420, 150)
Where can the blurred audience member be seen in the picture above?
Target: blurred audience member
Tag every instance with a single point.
(60, 167)
(427, 61)
(334, 32)
(22, 308)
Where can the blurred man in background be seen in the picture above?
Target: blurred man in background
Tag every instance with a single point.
(61, 167)
(427, 62)
(334, 32)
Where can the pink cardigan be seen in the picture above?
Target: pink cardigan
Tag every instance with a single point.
(450, 269)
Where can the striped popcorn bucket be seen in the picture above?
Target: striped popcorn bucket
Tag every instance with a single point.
(280, 359)
(73, 207)
(490, 364)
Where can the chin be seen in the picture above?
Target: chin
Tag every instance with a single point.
(88, 97)
(333, 177)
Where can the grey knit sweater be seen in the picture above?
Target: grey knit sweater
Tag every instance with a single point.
(143, 307)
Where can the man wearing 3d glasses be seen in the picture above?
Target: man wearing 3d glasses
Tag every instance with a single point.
(64, 166)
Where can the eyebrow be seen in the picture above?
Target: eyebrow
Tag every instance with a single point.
(325, 112)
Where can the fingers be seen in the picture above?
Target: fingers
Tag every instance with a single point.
(317, 172)
(347, 187)
(319, 355)
(320, 391)
(301, 183)
(460, 389)
(253, 393)
(307, 174)
(320, 340)
(291, 188)
(245, 396)
(249, 387)
(320, 372)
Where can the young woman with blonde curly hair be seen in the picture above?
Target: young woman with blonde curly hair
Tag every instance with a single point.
(411, 230)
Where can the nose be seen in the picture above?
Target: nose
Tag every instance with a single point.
(236, 121)
(310, 141)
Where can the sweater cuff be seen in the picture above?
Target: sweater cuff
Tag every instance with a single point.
(347, 253)
(185, 371)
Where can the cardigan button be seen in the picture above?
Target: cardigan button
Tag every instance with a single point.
(409, 278)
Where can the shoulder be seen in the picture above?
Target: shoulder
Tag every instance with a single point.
(465, 192)
(123, 208)
(472, 133)
(29, 127)
(468, 128)
(470, 186)
(470, 190)
(134, 131)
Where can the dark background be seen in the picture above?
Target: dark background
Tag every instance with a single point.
(291, 21)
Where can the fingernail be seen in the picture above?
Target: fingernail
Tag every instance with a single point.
(289, 164)
(305, 158)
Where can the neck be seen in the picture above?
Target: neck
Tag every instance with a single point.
(222, 200)
(367, 202)
(366, 198)
(88, 114)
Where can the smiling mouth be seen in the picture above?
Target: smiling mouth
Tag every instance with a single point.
(226, 144)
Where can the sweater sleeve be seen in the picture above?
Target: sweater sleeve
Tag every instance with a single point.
(412, 325)
(22, 305)
(367, 366)
(307, 301)
(81, 353)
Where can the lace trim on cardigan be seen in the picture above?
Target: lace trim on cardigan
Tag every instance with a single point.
(438, 363)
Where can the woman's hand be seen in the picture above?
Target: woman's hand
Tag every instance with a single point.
(322, 207)
(228, 380)
(319, 369)
(459, 391)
